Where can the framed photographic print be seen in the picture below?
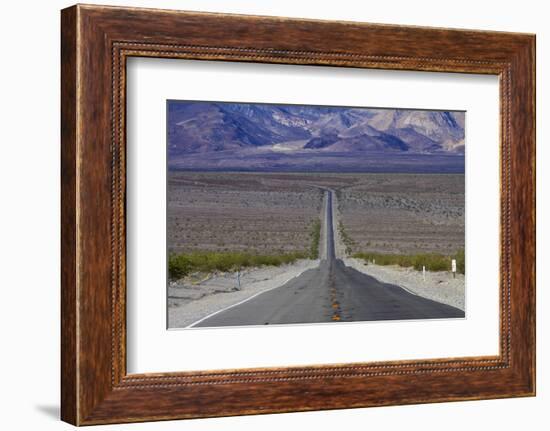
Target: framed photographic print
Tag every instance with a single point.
(268, 215)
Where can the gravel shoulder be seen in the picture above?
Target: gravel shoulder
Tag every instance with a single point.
(439, 286)
(190, 300)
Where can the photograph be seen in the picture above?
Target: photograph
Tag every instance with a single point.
(301, 214)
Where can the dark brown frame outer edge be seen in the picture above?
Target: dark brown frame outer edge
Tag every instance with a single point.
(95, 43)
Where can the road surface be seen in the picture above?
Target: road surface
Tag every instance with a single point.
(328, 293)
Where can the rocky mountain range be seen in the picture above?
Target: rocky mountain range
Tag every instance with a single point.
(241, 136)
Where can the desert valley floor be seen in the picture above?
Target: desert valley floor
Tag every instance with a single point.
(272, 212)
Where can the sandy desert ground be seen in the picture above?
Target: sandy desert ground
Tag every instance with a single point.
(263, 213)
(272, 212)
(404, 213)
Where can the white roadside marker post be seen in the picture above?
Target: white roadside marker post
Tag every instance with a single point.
(239, 279)
(424, 272)
(453, 267)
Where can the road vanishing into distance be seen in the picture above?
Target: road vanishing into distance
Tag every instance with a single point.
(328, 293)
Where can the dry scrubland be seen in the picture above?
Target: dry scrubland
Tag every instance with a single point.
(275, 213)
(404, 213)
(241, 212)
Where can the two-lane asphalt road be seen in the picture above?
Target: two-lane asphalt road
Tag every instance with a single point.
(331, 292)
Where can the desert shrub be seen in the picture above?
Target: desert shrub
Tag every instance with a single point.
(460, 261)
(178, 266)
(315, 235)
(346, 239)
(182, 264)
(432, 261)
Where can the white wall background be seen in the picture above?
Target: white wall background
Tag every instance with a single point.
(29, 215)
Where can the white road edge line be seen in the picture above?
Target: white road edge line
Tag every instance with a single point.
(243, 301)
(410, 291)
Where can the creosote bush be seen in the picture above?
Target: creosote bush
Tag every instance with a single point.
(432, 261)
(315, 235)
(346, 239)
(182, 264)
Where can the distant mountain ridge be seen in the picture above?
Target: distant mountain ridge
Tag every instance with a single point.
(282, 137)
